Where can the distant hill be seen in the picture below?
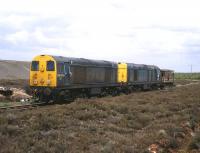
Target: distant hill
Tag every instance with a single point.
(14, 69)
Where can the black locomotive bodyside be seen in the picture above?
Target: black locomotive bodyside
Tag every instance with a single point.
(146, 76)
(84, 73)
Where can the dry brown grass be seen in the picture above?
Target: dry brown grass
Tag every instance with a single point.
(126, 123)
(22, 83)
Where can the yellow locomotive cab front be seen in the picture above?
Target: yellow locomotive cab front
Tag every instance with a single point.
(122, 73)
(43, 71)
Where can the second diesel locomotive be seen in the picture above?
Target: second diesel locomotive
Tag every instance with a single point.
(57, 78)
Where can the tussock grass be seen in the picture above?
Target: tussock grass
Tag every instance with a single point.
(192, 76)
(126, 123)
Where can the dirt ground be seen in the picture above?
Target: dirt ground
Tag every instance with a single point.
(19, 83)
(20, 89)
(162, 120)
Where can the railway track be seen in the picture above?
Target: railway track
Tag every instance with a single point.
(188, 84)
(35, 105)
(22, 107)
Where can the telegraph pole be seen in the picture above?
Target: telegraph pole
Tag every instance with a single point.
(191, 71)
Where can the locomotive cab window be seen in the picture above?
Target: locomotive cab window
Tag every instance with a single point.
(63, 68)
(50, 66)
(35, 66)
(60, 68)
(67, 68)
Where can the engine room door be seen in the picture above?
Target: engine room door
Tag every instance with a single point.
(67, 74)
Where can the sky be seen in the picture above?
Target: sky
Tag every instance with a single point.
(165, 33)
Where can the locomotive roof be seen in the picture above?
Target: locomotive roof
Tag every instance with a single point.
(153, 67)
(141, 66)
(83, 61)
(167, 70)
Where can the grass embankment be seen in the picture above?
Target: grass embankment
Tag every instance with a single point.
(127, 123)
(192, 76)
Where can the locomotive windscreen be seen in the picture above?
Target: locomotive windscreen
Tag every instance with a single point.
(35, 66)
(50, 66)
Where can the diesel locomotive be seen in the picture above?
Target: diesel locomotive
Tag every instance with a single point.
(59, 78)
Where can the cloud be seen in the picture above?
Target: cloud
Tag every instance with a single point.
(20, 32)
(163, 33)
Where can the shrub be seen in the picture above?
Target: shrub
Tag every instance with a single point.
(144, 119)
(46, 123)
(10, 130)
(195, 143)
(172, 143)
(122, 109)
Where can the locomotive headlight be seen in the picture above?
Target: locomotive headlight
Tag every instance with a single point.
(35, 82)
(48, 82)
(42, 81)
